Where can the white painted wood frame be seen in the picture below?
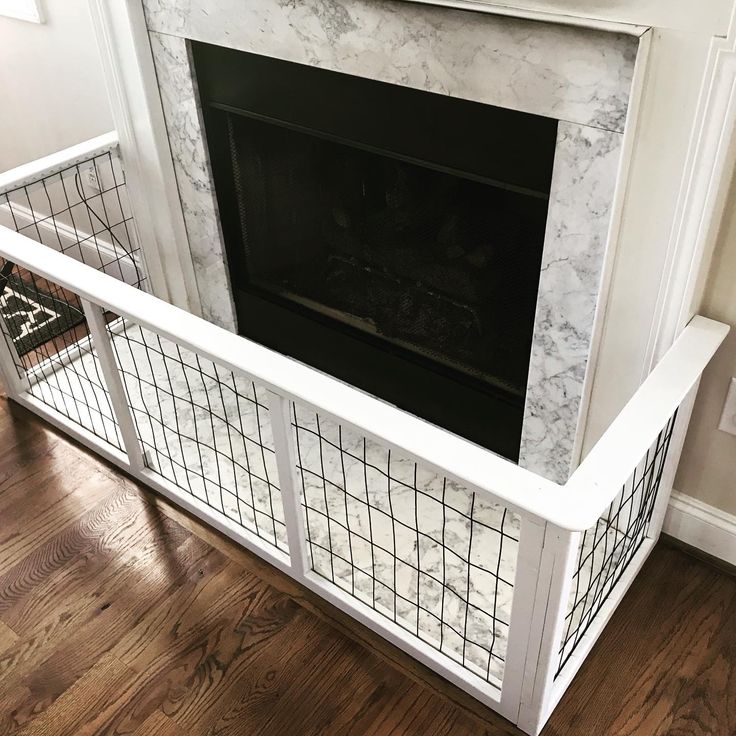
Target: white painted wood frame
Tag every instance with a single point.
(575, 506)
(553, 516)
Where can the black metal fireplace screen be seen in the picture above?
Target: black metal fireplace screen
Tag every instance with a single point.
(389, 236)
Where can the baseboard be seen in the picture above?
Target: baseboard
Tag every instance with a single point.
(97, 252)
(701, 526)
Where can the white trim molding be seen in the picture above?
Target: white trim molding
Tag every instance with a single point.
(702, 198)
(702, 526)
(136, 107)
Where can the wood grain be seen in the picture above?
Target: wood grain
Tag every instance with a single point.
(120, 614)
(84, 703)
(8, 637)
(157, 724)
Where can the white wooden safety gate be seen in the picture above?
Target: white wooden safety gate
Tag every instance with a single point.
(494, 577)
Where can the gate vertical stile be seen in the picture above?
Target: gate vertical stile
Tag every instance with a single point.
(526, 587)
(546, 626)
(279, 411)
(14, 383)
(101, 341)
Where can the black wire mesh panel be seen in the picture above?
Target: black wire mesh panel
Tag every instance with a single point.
(607, 549)
(82, 211)
(44, 326)
(202, 428)
(430, 555)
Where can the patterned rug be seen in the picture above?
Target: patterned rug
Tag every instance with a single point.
(33, 316)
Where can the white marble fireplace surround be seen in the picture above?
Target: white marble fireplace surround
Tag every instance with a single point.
(580, 76)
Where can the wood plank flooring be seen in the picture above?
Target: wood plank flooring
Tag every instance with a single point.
(121, 615)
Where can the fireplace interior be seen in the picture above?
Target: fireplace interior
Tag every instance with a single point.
(388, 236)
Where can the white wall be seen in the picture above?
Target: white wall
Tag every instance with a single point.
(53, 93)
(708, 465)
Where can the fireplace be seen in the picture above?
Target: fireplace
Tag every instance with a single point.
(528, 78)
(388, 236)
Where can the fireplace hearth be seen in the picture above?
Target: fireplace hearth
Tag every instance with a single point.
(388, 236)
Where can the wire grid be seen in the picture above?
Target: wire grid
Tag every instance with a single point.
(63, 370)
(607, 549)
(91, 222)
(203, 428)
(82, 211)
(430, 555)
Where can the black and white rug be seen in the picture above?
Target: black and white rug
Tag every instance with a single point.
(33, 316)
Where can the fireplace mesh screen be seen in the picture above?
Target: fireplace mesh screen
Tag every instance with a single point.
(436, 264)
(388, 236)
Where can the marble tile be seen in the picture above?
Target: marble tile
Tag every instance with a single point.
(191, 165)
(583, 183)
(204, 429)
(568, 73)
(398, 537)
(424, 551)
(80, 394)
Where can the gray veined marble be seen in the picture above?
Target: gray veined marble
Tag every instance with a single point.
(193, 177)
(580, 76)
(578, 219)
(565, 72)
(398, 537)
(423, 551)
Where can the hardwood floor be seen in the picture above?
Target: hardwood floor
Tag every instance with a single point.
(121, 615)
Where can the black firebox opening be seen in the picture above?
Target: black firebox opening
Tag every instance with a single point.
(388, 236)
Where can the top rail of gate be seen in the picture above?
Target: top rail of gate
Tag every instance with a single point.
(574, 506)
(30, 173)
